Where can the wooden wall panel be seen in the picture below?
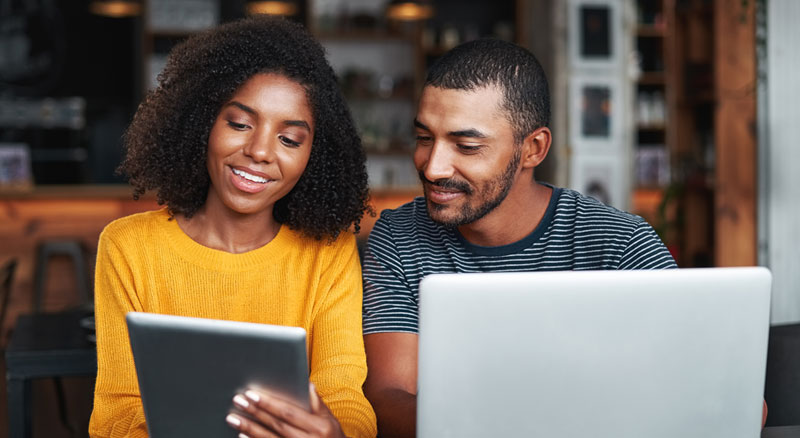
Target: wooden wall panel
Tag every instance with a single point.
(81, 213)
(735, 133)
(28, 219)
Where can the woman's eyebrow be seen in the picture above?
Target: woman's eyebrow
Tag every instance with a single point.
(247, 109)
(300, 123)
(242, 107)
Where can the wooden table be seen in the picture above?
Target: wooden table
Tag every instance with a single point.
(781, 432)
(44, 345)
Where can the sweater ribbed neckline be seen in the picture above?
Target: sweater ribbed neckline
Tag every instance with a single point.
(222, 261)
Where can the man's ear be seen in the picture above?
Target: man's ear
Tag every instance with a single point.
(535, 147)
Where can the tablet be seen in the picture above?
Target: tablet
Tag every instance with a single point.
(189, 369)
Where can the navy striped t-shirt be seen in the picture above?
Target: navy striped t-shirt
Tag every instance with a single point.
(576, 233)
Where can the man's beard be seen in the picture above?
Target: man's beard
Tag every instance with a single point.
(468, 214)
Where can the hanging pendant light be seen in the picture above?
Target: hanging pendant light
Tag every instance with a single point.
(115, 8)
(286, 8)
(408, 10)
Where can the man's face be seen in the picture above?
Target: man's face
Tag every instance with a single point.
(465, 154)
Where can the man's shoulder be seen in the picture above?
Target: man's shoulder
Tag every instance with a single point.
(410, 231)
(599, 230)
(583, 209)
(410, 209)
(409, 217)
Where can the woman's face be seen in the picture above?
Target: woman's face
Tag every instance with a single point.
(259, 145)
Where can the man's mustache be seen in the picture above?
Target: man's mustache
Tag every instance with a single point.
(447, 183)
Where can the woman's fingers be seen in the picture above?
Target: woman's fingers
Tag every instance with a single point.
(275, 412)
(314, 398)
(247, 428)
(271, 416)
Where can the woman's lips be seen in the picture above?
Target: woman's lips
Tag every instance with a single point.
(249, 181)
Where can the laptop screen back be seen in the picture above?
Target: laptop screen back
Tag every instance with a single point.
(674, 353)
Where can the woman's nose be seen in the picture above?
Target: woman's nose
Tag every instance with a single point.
(261, 147)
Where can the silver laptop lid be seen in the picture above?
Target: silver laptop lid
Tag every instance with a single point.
(656, 354)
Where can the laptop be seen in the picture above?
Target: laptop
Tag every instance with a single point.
(189, 369)
(623, 354)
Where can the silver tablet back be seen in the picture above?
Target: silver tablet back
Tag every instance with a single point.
(189, 369)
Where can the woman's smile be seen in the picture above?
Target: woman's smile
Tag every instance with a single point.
(248, 180)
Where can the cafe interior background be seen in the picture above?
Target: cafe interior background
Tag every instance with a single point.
(681, 111)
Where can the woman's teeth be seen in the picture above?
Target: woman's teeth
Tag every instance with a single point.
(249, 177)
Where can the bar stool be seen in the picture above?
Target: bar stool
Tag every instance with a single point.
(67, 247)
(49, 345)
(6, 283)
(45, 346)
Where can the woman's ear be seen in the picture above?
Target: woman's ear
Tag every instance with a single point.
(536, 146)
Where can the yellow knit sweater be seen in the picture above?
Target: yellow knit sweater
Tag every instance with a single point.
(145, 262)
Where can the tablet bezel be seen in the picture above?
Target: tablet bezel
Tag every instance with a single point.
(189, 369)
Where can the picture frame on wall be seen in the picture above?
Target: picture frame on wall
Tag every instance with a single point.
(651, 166)
(176, 16)
(15, 167)
(594, 33)
(599, 177)
(596, 114)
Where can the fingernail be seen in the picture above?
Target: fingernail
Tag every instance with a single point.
(233, 420)
(252, 395)
(241, 435)
(241, 401)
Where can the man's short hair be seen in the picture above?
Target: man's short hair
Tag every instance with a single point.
(491, 62)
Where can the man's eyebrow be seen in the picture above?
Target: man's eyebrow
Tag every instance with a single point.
(470, 133)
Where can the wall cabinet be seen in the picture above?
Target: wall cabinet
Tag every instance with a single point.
(381, 65)
(698, 58)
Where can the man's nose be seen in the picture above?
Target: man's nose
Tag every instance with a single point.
(438, 163)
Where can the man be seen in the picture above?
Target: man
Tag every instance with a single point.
(481, 131)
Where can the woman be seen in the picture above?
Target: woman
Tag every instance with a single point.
(248, 142)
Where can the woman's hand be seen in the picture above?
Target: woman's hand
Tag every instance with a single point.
(278, 418)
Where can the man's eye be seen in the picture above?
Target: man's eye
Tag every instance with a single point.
(468, 148)
(423, 138)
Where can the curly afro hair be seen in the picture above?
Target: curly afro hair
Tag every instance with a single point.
(167, 141)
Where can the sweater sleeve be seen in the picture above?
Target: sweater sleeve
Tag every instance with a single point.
(118, 408)
(338, 361)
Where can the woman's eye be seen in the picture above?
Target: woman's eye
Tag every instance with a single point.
(237, 126)
(289, 142)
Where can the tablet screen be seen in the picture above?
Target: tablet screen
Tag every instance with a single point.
(189, 369)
